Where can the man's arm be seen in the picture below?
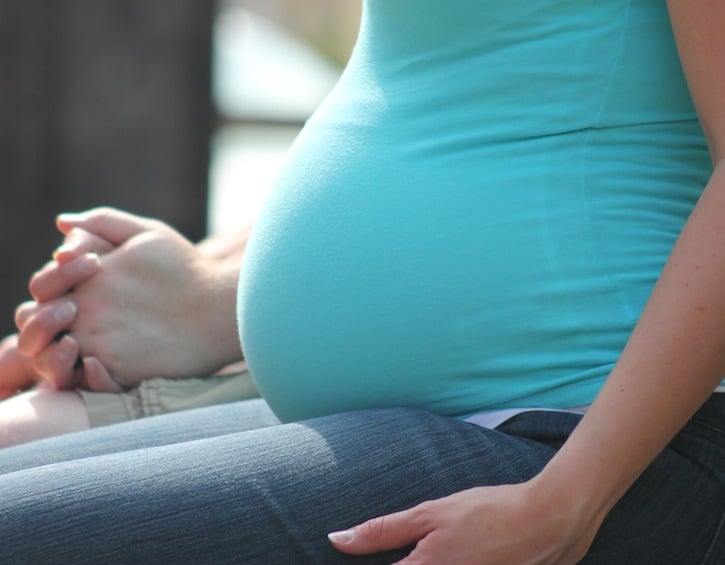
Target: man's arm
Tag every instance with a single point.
(226, 246)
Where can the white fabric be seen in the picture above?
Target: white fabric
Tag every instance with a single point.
(494, 418)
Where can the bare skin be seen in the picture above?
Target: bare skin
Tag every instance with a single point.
(17, 370)
(41, 413)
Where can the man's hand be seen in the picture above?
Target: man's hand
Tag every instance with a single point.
(155, 307)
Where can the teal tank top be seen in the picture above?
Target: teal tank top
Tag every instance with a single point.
(476, 215)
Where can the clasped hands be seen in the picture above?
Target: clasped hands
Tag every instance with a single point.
(126, 290)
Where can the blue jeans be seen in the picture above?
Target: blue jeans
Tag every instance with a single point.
(212, 486)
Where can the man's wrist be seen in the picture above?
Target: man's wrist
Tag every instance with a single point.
(222, 336)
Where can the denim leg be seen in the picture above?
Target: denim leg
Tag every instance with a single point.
(673, 513)
(263, 496)
(136, 434)
(270, 495)
(678, 504)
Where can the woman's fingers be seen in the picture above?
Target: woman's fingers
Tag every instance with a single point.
(79, 242)
(39, 324)
(383, 533)
(23, 313)
(56, 279)
(113, 225)
(57, 364)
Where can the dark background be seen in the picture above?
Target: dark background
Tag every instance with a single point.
(102, 102)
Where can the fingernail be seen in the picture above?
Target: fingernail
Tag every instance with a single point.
(66, 349)
(59, 251)
(22, 313)
(70, 217)
(65, 313)
(68, 247)
(89, 263)
(344, 536)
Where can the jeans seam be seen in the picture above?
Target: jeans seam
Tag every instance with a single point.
(712, 557)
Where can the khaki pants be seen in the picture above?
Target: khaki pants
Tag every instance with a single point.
(158, 396)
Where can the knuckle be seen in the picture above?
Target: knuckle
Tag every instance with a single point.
(423, 516)
(76, 234)
(38, 331)
(374, 529)
(103, 211)
(35, 286)
(23, 312)
(57, 281)
(86, 242)
(38, 283)
(72, 235)
(84, 238)
(94, 244)
(72, 240)
(44, 269)
(100, 214)
(154, 225)
(26, 342)
(76, 271)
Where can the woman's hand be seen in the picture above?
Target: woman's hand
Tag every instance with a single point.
(502, 524)
(51, 358)
(45, 352)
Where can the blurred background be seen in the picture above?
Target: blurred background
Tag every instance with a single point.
(177, 109)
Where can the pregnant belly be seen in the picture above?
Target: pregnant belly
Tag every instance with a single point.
(371, 280)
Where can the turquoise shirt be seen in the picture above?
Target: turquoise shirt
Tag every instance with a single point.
(477, 213)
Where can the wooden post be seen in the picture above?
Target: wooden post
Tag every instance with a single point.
(102, 102)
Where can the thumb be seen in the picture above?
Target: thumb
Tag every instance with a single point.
(115, 226)
(98, 378)
(381, 534)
